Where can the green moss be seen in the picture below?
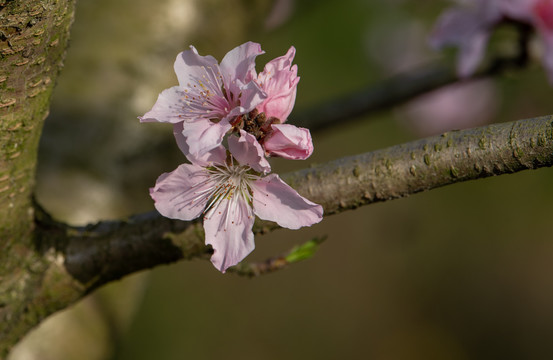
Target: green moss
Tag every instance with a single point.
(482, 143)
(356, 171)
(427, 159)
(454, 172)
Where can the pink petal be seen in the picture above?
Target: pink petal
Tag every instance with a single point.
(289, 142)
(283, 62)
(469, 29)
(217, 155)
(251, 95)
(471, 53)
(543, 17)
(543, 9)
(202, 136)
(548, 54)
(181, 194)
(460, 105)
(520, 10)
(169, 107)
(189, 65)
(276, 201)
(239, 63)
(228, 229)
(279, 80)
(247, 151)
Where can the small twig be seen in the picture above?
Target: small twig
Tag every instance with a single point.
(296, 254)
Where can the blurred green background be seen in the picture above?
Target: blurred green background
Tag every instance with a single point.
(462, 272)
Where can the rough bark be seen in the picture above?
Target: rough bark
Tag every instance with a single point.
(426, 164)
(33, 38)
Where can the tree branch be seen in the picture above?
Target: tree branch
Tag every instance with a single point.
(96, 254)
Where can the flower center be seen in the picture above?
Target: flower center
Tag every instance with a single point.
(205, 96)
(231, 182)
(255, 123)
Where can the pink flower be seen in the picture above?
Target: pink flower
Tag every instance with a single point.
(469, 28)
(279, 80)
(228, 191)
(214, 99)
(209, 95)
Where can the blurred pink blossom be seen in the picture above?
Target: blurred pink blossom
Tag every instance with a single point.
(469, 26)
(281, 11)
(458, 106)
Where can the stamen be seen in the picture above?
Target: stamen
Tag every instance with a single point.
(231, 183)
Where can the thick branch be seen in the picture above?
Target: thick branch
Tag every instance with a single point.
(429, 163)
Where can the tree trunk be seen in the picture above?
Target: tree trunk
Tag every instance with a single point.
(33, 39)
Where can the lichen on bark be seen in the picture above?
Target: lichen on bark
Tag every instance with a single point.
(33, 39)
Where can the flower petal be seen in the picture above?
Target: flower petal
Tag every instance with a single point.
(276, 201)
(183, 193)
(239, 63)
(247, 151)
(217, 155)
(202, 136)
(190, 66)
(251, 95)
(289, 142)
(543, 13)
(228, 229)
(169, 107)
(279, 80)
(471, 53)
(201, 81)
(469, 29)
